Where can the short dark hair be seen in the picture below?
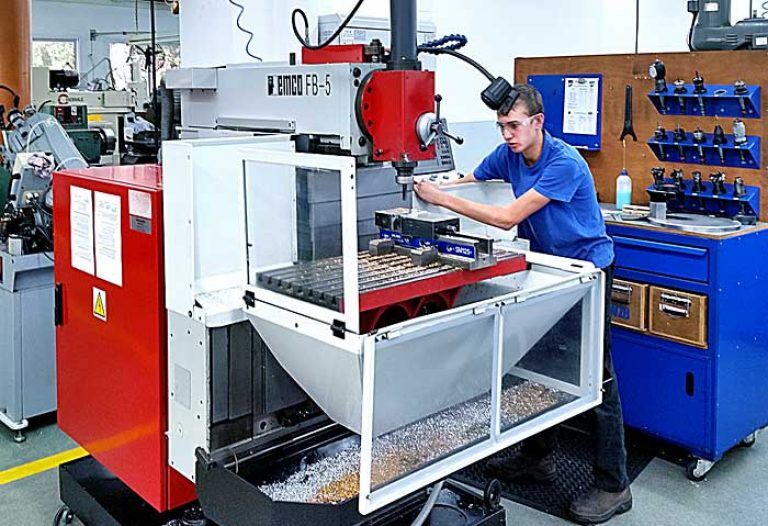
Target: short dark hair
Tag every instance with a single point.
(529, 97)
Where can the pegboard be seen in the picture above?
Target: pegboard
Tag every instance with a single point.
(717, 67)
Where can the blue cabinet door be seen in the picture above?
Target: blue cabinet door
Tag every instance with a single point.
(664, 393)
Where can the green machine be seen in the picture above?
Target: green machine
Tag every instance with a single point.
(5, 185)
(92, 143)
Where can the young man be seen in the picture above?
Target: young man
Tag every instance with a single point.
(557, 210)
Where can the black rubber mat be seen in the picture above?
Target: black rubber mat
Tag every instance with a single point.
(573, 457)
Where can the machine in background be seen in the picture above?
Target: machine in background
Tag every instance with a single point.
(90, 115)
(34, 146)
(711, 27)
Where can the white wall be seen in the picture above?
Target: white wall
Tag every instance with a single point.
(74, 19)
(210, 37)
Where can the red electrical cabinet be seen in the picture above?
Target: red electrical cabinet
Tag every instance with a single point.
(111, 325)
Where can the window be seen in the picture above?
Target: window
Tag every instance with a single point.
(54, 54)
(129, 62)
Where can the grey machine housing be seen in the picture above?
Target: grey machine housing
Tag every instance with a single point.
(27, 348)
(712, 28)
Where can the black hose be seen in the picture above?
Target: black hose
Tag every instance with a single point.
(460, 56)
(16, 98)
(690, 31)
(244, 30)
(305, 41)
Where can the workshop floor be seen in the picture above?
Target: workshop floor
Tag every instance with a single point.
(734, 492)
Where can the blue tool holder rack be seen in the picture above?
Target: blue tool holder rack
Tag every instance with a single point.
(705, 202)
(735, 156)
(718, 101)
(552, 88)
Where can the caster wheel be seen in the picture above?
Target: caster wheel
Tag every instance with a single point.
(63, 516)
(694, 472)
(492, 495)
(749, 440)
(193, 517)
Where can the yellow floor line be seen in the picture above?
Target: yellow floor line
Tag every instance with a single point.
(38, 466)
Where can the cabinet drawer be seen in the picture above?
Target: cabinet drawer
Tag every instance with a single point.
(667, 259)
(678, 316)
(629, 305)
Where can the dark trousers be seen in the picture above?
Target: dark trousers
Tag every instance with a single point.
(606, 421)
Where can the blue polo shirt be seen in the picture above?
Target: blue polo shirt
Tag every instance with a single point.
(571, 224)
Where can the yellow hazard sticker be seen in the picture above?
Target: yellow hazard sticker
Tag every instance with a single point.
(95, 117)
(99, 304)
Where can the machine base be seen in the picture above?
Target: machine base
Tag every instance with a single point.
(231, 493)
(98, 498)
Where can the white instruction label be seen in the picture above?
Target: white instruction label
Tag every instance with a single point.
(140, 204)
(109, 241)
(81, 228)
(580, 107)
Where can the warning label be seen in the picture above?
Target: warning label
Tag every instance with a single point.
(99, 304)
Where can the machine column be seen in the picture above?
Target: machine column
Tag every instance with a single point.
(403, 26)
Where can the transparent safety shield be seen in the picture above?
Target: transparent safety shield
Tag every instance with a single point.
(302, 233)
(440, 396)
(430, 397)
(543, 358)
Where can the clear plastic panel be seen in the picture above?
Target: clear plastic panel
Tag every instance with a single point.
(543, 343)
(294, 233)
(432, 395)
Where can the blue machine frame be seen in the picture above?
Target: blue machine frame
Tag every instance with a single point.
(706, 400)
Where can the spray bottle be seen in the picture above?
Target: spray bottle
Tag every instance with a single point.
(623, 189)
(623, 183)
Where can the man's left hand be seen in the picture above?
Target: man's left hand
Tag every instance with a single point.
(429, 192)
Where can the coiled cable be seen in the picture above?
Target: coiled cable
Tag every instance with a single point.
(244, 30)
(305, 39)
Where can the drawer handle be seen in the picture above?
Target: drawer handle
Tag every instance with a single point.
(621, 294)
(677, 312)
(680, 301)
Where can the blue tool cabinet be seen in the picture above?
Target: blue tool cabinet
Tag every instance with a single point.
(707, 398)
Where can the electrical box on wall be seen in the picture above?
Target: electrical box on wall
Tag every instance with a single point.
(573, 106)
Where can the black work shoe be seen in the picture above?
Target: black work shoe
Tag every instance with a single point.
(523, 467)
(598, 506)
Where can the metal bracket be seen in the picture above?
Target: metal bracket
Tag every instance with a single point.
(249, 299)
(339, 329)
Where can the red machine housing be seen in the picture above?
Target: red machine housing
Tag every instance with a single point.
(112, 369)
(390, 107)
(351, 53)
(389, 305)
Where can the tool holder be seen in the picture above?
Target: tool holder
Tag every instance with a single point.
(705, 202)
(746, 155)
(719, 100)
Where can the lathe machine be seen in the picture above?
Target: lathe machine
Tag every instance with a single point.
(34, 146)
(330, 348)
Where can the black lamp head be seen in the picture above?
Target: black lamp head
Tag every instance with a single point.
(500, 96)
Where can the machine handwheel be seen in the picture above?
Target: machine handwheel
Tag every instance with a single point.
(694, 472)
(492, 494)
(749, 440)
(63, 516)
